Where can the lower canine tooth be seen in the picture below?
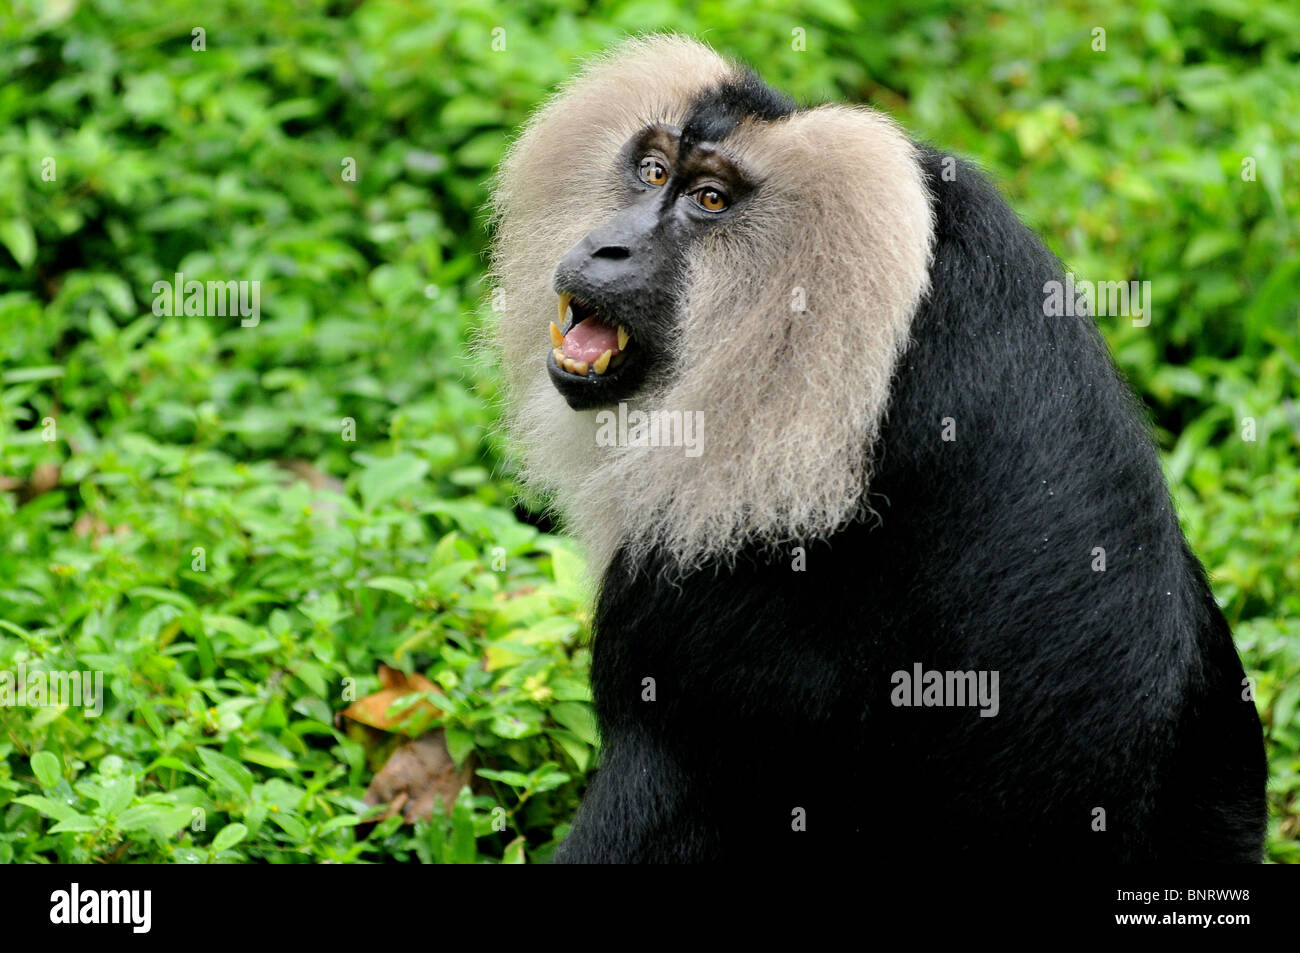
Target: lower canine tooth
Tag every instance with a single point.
(557, 336)
(622, 337)
(602, 362)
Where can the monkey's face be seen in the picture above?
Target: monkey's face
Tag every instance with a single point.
(718, 254)
(619, 301)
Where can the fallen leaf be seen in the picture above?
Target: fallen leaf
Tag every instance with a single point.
(419, 771)
(373, 709)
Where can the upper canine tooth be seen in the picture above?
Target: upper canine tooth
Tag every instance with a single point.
(557, 336)
(565, 298)
(622, 337)
(602, 362)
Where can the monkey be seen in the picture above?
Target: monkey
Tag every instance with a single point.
(922, 591)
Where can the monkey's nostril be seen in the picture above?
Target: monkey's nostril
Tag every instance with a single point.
(612, 251)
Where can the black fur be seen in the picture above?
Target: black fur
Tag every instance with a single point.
(1119, 690)
(715, 114)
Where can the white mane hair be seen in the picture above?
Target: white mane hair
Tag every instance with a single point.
(792, 400)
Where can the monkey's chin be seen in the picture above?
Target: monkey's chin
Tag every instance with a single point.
(591, 390)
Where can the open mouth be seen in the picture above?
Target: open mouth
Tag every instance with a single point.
(583, 344)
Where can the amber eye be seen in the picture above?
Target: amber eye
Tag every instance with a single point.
(652, 171)
(711, 200)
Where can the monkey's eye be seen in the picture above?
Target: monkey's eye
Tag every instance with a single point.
(652, 171)
(711, 200)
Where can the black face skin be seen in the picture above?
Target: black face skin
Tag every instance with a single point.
(678, 184)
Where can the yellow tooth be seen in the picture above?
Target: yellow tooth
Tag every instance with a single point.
(602, 362)
(557, 336)
(565, 298)
(622, 337)
(579, 367)
(558, 354)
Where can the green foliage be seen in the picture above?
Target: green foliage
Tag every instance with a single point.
(236, 525)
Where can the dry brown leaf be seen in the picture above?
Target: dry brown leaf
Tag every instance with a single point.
(373, 709)
(419, 771)
(45, 477)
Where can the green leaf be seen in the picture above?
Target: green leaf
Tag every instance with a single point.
(1284, 708)
(464, 846)
(178, 599)
(77, 824)
(459, 743)
(389, 477)
(47, 768)
(552, 631)
(139, 817)
(235, 627)
(548, 780)
(516, 779)
(117, 794)
(268, 759)
(310, 674)
(292, 826)
(48, 807)
(577, 717)
(567, 566)
(227, 772)
(514, 852)
(1207, 246)
(229, 836)
(518, 721)
(575, 748)
(482, 150)
(402, 587)
(20, 375)
(17, 235)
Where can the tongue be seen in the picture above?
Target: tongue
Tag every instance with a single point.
(589, 339)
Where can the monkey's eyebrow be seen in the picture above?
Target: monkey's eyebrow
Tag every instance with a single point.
(660, 136)
(711, 159)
